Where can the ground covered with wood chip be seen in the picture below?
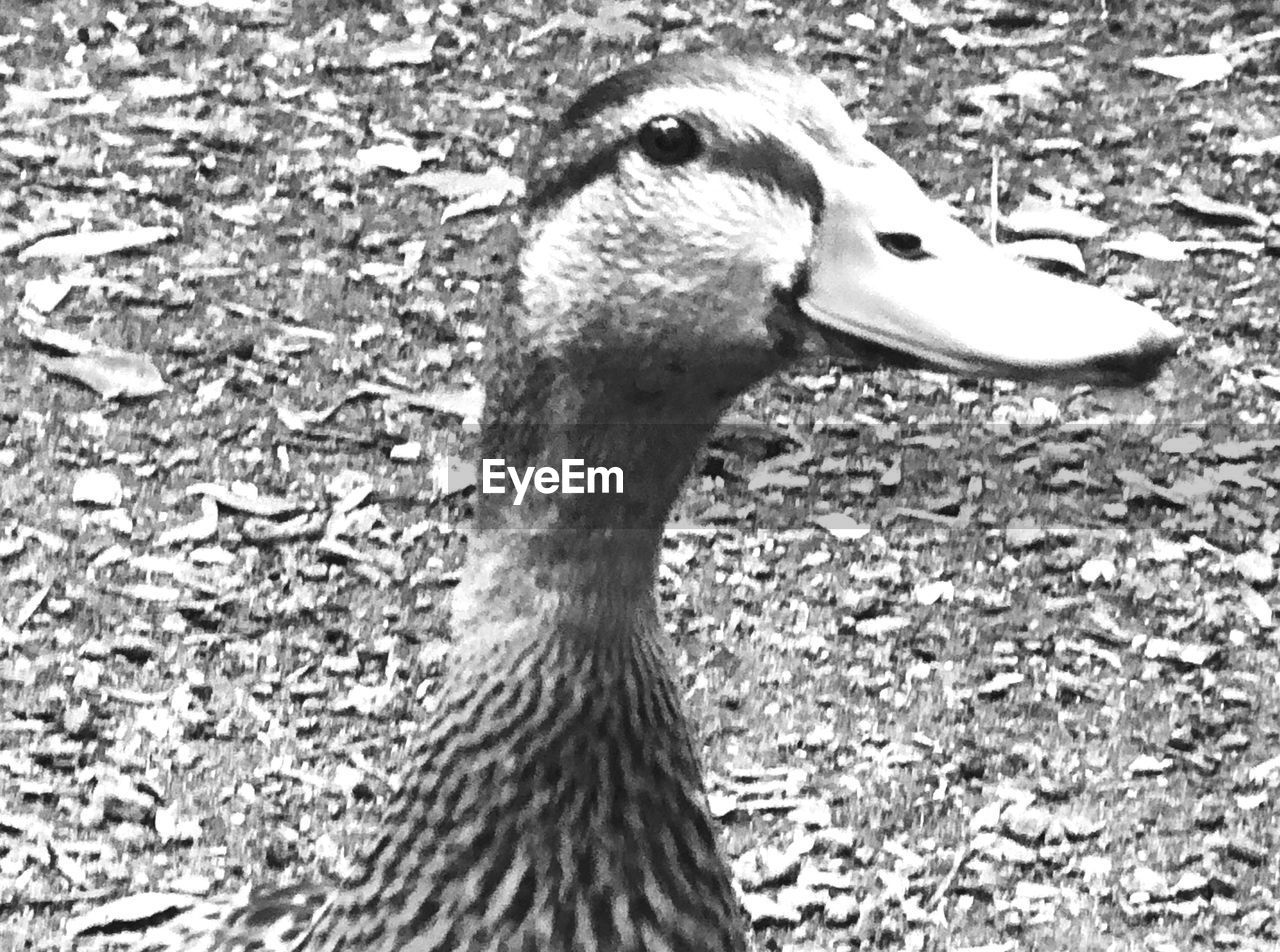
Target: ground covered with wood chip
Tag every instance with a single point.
(979, 666)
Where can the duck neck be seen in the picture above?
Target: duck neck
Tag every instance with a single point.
(577, 507)
(556, 801)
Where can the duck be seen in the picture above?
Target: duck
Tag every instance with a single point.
(694, 225)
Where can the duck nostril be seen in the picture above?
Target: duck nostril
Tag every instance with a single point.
(903, 244)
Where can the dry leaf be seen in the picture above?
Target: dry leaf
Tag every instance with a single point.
(1257, 606)
(1034, 219)
(161, 87)
(766, 477)
(1256, 567)
(911, 13)
(1026, 86)
(418, 51)
(841, 526)
(197, 530)
(246, 215)
(246, 499)
(1141, 486)
(91, 244)
(1095, 569)
(1000, 684)
(97, 488)
(613, 20)
(468, 404)
(257, 7)
(1244, 449)
(130, 910)
(1054, 144)
(930, 593)
(1201, 204)
(27, 151)
(1249, 148)
(1246, 249)
(396, 156)
(961, 41)
(1150, 245)
(1235, 474)
(113, 373)
(1145, 765)
(1023, 533)
(1061, 254)
(470, 191)
(1263, 772)
(1184, 445)
(1191, 69)
(45, 294)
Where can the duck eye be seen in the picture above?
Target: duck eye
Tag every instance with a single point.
(667, 140)
(903, 244)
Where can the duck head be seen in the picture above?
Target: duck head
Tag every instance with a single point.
(697, 222)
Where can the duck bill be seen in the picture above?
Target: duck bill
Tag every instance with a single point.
(892, 275)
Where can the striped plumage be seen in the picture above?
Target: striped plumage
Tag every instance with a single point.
(694, 225)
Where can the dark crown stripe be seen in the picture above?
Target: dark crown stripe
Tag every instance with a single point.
(642, 78)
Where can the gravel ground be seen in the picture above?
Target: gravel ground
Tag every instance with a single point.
(1031, 700)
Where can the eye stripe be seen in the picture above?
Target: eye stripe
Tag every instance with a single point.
(764, 160)
(768, 161)
(565, 181)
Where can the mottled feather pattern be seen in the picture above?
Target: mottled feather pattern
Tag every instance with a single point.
(561, 817)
